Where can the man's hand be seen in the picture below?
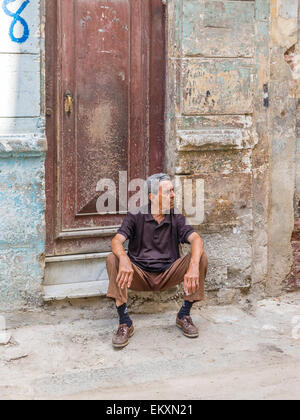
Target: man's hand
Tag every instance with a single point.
(191, 279)
(125, 274)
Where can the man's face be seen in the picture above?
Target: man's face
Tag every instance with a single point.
(165, 199)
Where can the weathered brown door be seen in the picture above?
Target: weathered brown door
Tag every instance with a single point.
(105, 84)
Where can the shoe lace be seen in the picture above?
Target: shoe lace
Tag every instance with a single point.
(122, 329)
(188, 320)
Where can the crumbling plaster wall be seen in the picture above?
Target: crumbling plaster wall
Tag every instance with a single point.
(292, 57)
(283, 93)
(22, 151)
(231, 122)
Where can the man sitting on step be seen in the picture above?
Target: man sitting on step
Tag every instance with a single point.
(153, 262)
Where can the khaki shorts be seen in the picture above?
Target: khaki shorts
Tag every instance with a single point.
(145, 281)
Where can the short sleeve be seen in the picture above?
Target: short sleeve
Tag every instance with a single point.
(128, 226)
(183, 229)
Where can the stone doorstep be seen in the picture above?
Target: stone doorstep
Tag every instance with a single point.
(74, 290)
(75, 276)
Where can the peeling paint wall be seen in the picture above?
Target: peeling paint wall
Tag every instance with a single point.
(233, 81)
(22, 150)
(292, 58)
(231, 108)
(283, 87)
(214, 61)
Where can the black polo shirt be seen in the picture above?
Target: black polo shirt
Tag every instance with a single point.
(152, 246)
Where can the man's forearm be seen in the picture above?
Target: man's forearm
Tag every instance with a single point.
(118, 249)
(196, 251)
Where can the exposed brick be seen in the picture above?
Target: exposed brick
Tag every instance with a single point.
(294, 283)
(296, 269)
(296, 247)
(296, 236)
(294, 278)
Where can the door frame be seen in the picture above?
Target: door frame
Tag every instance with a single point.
(154, 99)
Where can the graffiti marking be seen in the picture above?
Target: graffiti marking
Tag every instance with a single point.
(17, 18)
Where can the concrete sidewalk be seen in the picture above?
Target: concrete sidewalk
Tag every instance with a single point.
(247, 352)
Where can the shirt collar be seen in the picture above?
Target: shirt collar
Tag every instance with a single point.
(149, 217)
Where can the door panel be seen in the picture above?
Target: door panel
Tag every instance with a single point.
(104, 114)
(102, 101)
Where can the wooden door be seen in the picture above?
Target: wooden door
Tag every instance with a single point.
(105, 91)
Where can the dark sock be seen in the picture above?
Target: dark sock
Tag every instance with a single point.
(123, 315)
(185, 309)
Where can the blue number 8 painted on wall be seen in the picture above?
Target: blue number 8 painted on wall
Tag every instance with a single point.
(17, 18)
